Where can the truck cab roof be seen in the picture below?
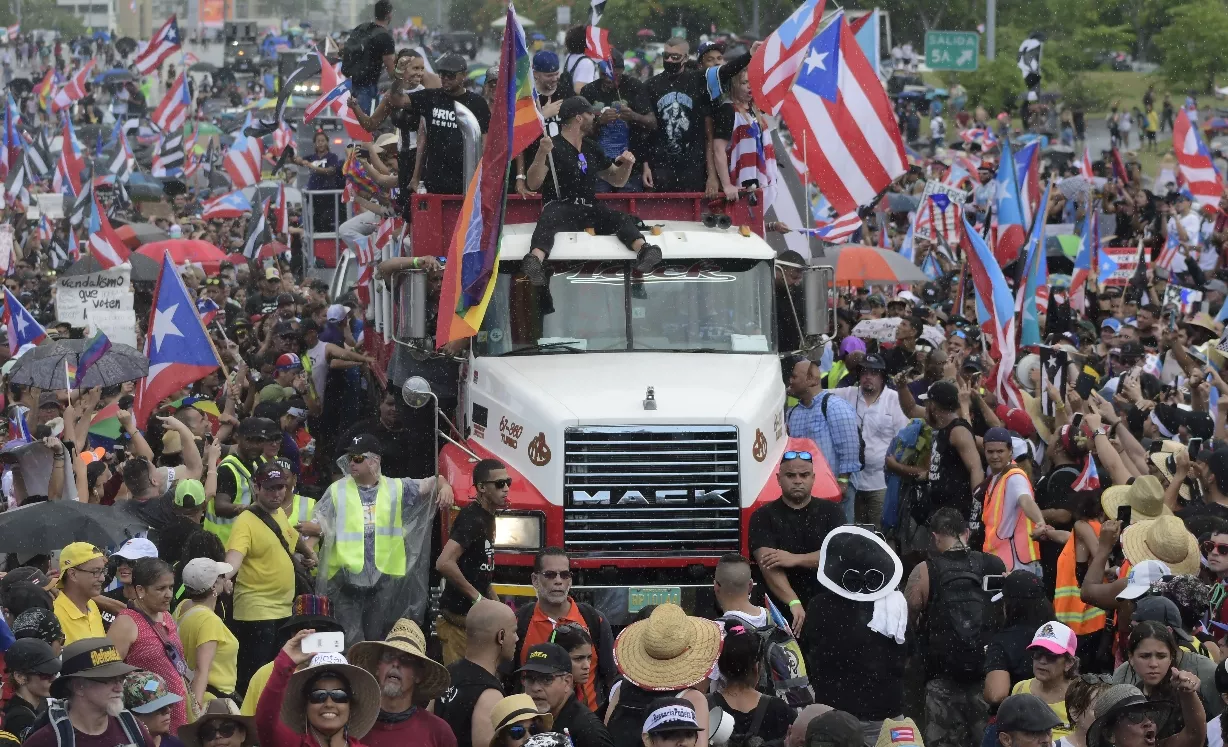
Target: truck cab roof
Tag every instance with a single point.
(678, 240)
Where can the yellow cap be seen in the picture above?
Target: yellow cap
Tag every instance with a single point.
(74, 555)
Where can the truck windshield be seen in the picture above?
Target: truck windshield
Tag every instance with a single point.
(594, 306)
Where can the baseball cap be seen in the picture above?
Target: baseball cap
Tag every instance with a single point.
(200, 574)
(451, 63)
(288, 360)
(259, 428)
(545, 61)
(137, 548)
(944, 394)
(1015, 420)
(874, 362)
(27, 573)
(146, 692)
(336, 312)
(1112, 324)
(972, 363)
(31, 655)
(1142, 576)
(89, 658)
(669, 714)
(1158, 609)
(48, 399)
(271, 273)
(270, 474)
(834, 729)
(75, 554)
(997, 436)
(189, 493)
(549, 658)
(575, 106)
(708, 46)
(1026, 712)
(285, 299)
(1055, 638)
(363, 443)
(37, 622)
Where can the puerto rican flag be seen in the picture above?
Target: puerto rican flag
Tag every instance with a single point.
(45, 228)
(283, 136)
(73, 90)
(597, 43)
(11, 143)
(106, 245)
(840, 106)
(172, 112)
(70, 166)
(340, 94)
(1085, 165)
(1027, 171)
(836, 231)
(752, 156)
(230, 205)
(164, 43)
(1085, 259)
(939, 216)
(1089, 478)
(1008, 212)
(242, 161)
(207, 309)
(776, 63)
(982, 135)
(23, 328)
(995, 309)
(1170, 252)
(1205, 183)
(329, 79)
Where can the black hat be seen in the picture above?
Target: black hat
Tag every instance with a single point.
(1021, 585)
(1119, 699)
(856, 564)
(261, 428)
(271, 473)
(38, 622)
(973, 363)
(547, 658)
(451, 63)
(1130, 351)
(945, 395)
(874, 362)
(89, 658)
(363, 443)
(24, 595)
(575, 106)
(834, 729)
(285, 299)
(1026, 712)
(31, 655)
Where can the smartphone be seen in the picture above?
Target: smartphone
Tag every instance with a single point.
(1076, 421)
(1123, 515)
(323, 643)
(1156, 446)
(993, 583)
(1085, 384)
(1195, 446)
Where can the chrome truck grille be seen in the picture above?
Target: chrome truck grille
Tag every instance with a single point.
(664, 490)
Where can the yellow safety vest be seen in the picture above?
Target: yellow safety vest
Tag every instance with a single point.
(302, 508)
(349, 542)
(306, 361)
(837, 372)
(221, 525)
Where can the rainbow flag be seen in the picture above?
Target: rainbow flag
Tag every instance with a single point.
(45, 87)
(70, 374)
(473, 256)
(98, 346)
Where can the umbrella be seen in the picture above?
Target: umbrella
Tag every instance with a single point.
(864, 265)
(20, 86)
(501, 22)
(268, 188)
(645, 33)
(186, 250)
(203, 67)
(135, 234)
(899, 203)
(114, 75)
(43, 367)
(883, 330)
(1216, 124)
(125, 45)
(144, 269)
(40, 528)
(272, 249)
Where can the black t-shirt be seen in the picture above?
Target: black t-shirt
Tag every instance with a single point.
(898, 359)
(576, 170)
(443, 166)
(681, 103)
(261, 304)
(407, 452)
(950, 481)
(800, 531)
(620, 135)
(379, 43)
(1008, 651)
(1053, 492)
(776, 719)
(585, 729)
(474, 531)
(469, 682)
(226, 484)
(20, 715)
(156, 513)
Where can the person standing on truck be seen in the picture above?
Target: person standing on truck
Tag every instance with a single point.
(786, 534)
(368, 51)
(467, 562)
(626, 119)
(570, 191)
(550, 97)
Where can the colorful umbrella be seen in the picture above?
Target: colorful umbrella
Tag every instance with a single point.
(865, 265)
(186, 250)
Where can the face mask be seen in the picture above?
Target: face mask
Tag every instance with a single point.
(672, 68)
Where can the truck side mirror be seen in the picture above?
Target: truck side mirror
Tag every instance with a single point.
(820, 301)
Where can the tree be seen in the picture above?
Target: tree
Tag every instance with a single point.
(44, 14)
(1193, 45)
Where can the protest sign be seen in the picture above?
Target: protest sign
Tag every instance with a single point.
(943, 217)
(1126, 258)
(51, 206)
(99, 300)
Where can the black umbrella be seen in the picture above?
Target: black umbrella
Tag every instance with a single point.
(20, 86)
(143, 268)
(44, 366)
(125, 45)
(40, 528)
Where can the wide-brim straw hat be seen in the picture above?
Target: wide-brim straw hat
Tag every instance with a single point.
(1119, 699)
(1165, 539)
(902, 733)
(1159, 460)
(515, 709)
(405, 638)
(668, 651)
(218, 709)
(1145, 498)
(1031, 405)
(364, 694)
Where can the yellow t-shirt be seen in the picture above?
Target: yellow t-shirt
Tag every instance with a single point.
(264, 586)
(199, 625)
(1059, 708)
(78, 624)
(254, 688)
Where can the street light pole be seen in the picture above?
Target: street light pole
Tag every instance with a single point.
(991, 24)
(754, 18)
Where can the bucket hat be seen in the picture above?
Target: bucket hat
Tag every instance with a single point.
(405, 638)
(669, 650)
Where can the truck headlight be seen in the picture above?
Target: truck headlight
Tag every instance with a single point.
(518, 531)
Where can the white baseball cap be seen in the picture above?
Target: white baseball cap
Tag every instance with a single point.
(1142, 576)
(200, 574)
(137, 548)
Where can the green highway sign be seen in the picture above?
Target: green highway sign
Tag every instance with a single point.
(952, 50)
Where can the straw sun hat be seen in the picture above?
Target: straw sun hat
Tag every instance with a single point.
(1145, 498)
(364, 694)
(1165, 539)
(669, 650)
(404, 638)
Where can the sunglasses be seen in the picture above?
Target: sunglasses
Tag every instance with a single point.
(358, 458)
(224, 729)
(1039, 654)
(520, 731)
(336, 696)
(805, 456)
(565, 629)
(504, 483)
(1209, 548)
(551, 575)
(537, 678)
(1135, 717)
(674, 57)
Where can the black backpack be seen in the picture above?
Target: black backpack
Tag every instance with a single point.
(357, 60)
(56, 716)
(958, 619)
(782, 667)
(566, 83)
(861, 442)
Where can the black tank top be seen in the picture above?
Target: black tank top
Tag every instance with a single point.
(950, 483)
(627, 722)
(456, 705)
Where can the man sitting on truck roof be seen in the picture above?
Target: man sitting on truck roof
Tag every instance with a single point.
(574, 162)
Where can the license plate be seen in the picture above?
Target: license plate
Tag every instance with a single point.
(639, 597)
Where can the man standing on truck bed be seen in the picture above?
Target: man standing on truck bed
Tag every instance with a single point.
(786, 535)
(368, 50)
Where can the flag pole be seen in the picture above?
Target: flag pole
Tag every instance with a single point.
(68, 382)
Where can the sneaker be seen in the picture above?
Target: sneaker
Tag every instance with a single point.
(533, 269)
(649, 257)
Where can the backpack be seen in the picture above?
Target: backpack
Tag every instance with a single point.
(566, 84)
(57, 716)
(957, 617)
(861, 442)
(751, 738)
(357, 60)
(782, 669)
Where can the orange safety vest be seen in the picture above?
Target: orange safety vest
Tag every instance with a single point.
(1020, 545)
(1071, 611)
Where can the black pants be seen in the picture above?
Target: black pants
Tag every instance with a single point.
(258, 645)
(570, 216)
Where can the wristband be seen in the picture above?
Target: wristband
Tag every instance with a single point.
(793, 602)
(520, 177)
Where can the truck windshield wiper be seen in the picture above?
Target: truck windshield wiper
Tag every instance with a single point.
(546, 347)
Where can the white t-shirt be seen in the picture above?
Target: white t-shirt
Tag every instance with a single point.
(413, 136)
(1215, 732)
(1017, 486)
(319, 367)
(758, 621)
(585, 69)
(880, 422)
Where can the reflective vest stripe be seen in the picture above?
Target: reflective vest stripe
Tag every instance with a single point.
(1069, 608)
(301, 509)
(1020, 545)
(221, 525)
